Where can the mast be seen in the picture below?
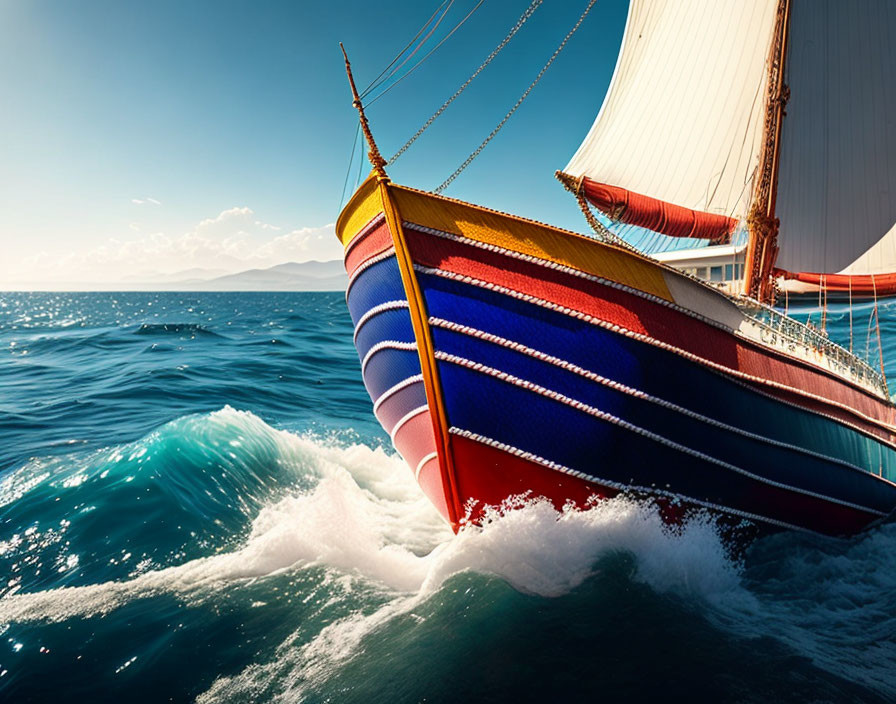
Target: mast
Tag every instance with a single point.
(373, 154)
(762, 223)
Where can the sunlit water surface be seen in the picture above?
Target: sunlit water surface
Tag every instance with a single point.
(196, 504)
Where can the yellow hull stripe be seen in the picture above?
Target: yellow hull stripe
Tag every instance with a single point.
(364, 205)
(532, 238)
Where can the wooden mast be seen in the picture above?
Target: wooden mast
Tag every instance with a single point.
(762, 249)
(373, 154)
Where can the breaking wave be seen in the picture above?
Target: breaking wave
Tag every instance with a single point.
(220, 512)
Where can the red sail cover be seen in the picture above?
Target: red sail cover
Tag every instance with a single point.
(657, 215)
(858, 284)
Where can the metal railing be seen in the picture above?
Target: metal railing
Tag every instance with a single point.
(777, 327)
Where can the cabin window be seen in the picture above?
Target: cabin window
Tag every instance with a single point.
(729, 272)
(715, 273)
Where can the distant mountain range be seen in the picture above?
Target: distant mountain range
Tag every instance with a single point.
(292, 276)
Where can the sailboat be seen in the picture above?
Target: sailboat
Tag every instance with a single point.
(506, 357)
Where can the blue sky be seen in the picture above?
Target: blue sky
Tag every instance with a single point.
(154, 137)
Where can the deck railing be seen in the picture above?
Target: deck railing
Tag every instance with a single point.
(792, 332)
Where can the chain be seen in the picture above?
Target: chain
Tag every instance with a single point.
(513, 30)
(519, 102)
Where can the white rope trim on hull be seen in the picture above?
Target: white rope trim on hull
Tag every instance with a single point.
(422, 463)
(386, 345)
(382, 256)
(725, 371)
(405, 419)
(622, 388)
(616, 485)
(636, 292)
(375, 311)
(631, 427)
(371, 225)
(392, 390)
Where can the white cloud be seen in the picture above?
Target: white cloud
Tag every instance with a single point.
(141, 201)
(233, 240)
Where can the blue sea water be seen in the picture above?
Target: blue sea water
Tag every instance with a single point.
(196, 504)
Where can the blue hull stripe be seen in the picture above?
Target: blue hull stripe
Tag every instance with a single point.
(378, 283)
(607, 450)
(651, 370)
(394, 325)
(772, 462)
(388, 367)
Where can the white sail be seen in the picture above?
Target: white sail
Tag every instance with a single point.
(837, 177)
(682, 121)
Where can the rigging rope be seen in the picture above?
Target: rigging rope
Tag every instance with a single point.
(376, 81)
(880, 349)
(519, 102)
(513, 30)
(428, 54)
(850, 314)
(603, 233)
(348, 170)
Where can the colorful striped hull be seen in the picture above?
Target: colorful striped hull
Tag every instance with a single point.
(506, 357)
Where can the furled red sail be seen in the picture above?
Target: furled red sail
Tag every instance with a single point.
(855, 284)
(673, 220)
(675, 145)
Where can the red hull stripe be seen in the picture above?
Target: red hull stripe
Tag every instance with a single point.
(857, 284)
(833, 411)
(393, 406)
(366, 264)
(643, 317)
(492, 471)
(372, 240)
(430, 480)
(657, 215)
(413, 436)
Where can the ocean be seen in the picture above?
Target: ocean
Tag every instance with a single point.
(196, 504)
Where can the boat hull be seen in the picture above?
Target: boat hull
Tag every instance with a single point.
(505, 358)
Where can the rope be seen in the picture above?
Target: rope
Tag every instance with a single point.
(519, 102)
(348, 170)
(373, 84)
(417, 65)
(880, 349)
(513, 30)
(850, 314)
(603, 233)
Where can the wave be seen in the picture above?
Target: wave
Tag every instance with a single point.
(355, 509)
(388, 573)
(180, 329)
